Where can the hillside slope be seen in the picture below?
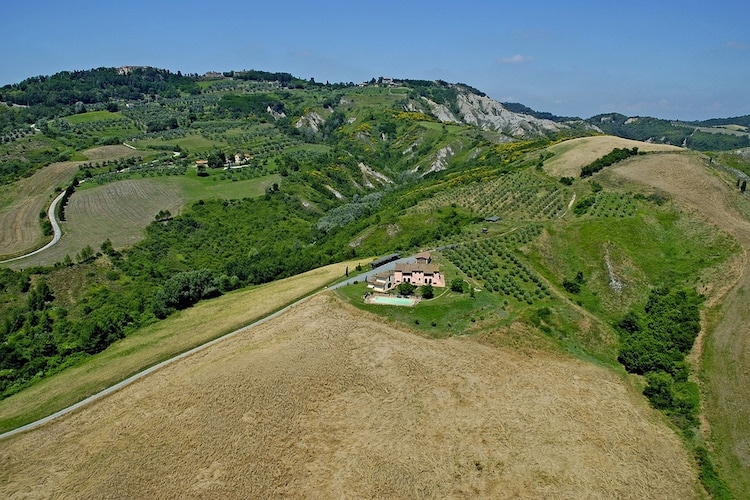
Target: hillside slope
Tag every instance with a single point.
(570, 156)
(727, 344)
(326, 401)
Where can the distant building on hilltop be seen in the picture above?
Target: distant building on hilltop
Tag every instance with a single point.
(126, 70)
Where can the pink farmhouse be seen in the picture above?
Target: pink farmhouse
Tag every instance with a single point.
(419, 273)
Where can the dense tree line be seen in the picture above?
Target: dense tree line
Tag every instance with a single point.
(743, 121)
(438, 91)
(66, 88)
(517, 107)
(614, 156)
(284, 79)
(654, 342)
(247, 104)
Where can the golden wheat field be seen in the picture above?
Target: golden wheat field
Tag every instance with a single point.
(327, 402)
(570, 156)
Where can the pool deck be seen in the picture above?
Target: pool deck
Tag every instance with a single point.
(373, 299)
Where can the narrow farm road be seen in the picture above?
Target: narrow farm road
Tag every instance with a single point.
(144, 373)
(55, 228)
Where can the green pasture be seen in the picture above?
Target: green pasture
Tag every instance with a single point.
(658, 246)
(220, 184)
(94, 116)
(195, 143)
(196, 188)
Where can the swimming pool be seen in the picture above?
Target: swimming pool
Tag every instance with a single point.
(391, 301)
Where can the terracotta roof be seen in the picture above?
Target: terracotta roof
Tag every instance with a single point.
(381, 277)
(419, 268)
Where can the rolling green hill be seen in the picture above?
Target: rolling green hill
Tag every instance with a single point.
(255, 177)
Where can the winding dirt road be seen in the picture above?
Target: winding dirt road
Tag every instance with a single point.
(57, 232)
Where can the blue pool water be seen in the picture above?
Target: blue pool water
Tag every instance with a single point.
(392, 301)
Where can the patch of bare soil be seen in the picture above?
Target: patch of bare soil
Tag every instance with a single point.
(114, 152)
(727, 371)
(325, 401)
(571, 156)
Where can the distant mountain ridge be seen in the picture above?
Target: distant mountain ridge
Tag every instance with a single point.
(693, 135)
(70, 92)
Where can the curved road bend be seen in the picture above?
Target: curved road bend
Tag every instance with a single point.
(147, 371)
(55, 228)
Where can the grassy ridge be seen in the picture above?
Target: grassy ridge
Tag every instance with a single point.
(150, 345)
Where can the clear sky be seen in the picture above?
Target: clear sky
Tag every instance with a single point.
(670, 59)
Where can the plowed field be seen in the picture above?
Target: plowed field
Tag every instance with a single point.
(20, 230)
(19, 219)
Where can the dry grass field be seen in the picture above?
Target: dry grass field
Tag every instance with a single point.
(326, 402)
(165, 339)
(571, 156)
(21, 203)
(726, 347)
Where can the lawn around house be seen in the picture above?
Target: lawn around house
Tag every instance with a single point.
(447, 314)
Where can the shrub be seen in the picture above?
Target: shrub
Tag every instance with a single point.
(571, 286)
(457, 285)
(406, 288)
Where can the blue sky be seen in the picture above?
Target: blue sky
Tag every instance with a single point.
(669, 59)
